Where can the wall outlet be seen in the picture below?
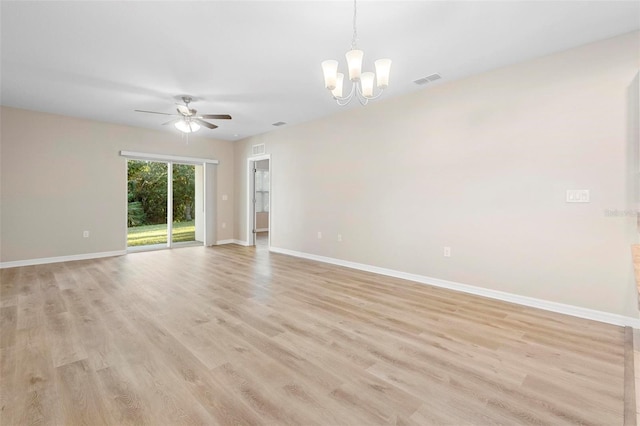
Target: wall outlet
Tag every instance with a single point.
(447, 252)
(339, 238)
(85, 234)
(225, 197)
(319, 235)
(578, 196)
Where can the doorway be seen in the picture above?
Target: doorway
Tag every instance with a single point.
(162, 201)
(259, 202)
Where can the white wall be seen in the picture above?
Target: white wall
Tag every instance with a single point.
(62, 175)
(480, 165)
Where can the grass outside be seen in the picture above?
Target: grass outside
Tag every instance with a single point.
(157, 234)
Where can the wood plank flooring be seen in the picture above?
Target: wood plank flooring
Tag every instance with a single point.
(238, 335)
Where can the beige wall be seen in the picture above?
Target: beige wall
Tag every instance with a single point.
(480, 165)
(61, 176)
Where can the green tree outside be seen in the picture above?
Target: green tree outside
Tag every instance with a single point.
(147, 193)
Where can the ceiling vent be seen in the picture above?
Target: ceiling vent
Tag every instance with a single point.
(428, 79)
(279, 123)
(258, 149)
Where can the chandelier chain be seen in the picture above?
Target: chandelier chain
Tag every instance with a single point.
(354, 41)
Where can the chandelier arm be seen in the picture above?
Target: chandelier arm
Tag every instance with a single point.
(361, 98)
(343, 100)
(376, 96)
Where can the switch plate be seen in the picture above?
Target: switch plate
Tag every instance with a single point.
(224, 225)
(319, 235)
(339, 238)
(225, 197)
(578, 196)
(85, 234)
(447, 252)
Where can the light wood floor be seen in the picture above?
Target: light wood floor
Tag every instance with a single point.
(235, 335)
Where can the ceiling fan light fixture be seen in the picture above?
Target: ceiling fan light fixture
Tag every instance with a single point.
(187, 126)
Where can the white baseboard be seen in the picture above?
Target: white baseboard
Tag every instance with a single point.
(239, 242)
(561, 308)
(44, 260)
(221, 242)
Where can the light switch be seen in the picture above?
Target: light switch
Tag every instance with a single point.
(225, 197)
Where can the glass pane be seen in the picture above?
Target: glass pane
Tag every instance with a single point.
(265, 180)
(147, 203)
(259, 202)
(258, 180)
(265, 200)
(184, 191)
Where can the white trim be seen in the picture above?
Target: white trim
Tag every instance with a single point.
(262, 230)
(44, 260)
(221, 242)
(546, 305)
(251, 214)
(239, 242)
(170, 203)
(162, 157)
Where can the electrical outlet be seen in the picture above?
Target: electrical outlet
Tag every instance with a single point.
(85, 234)
(225, 197)
(319, 235)
(339, 238)
(447, 252)
(578, 196)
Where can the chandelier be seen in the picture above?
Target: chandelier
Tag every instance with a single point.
(361, 82)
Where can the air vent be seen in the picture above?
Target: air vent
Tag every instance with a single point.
(279, 123)
(258, 149)
(428, 79)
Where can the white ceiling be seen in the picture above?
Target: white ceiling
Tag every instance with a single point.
(260, 61)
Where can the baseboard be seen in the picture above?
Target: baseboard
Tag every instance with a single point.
(45, 260)
(561, 308)
(221, 242)
(239, 242)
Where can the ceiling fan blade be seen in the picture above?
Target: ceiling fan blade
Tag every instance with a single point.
(183, 110)
(175, 120)
(217, 116)
(152, 112)
(204, 123)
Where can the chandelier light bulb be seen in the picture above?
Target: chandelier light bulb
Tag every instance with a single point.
(366, 80)
(383, 68)
(330, 71)
(354, 61)
(337, 92)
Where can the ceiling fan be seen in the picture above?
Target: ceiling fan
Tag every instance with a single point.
(188, 119)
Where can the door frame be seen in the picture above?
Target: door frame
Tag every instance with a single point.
(209, 194)
(251, 213)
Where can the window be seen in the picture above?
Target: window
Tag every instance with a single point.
(262, 191)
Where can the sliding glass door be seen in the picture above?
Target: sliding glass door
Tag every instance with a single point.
(162, 201)
(147, 203)
(184, 212)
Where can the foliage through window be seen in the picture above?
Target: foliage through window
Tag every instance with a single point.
(262, 191)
